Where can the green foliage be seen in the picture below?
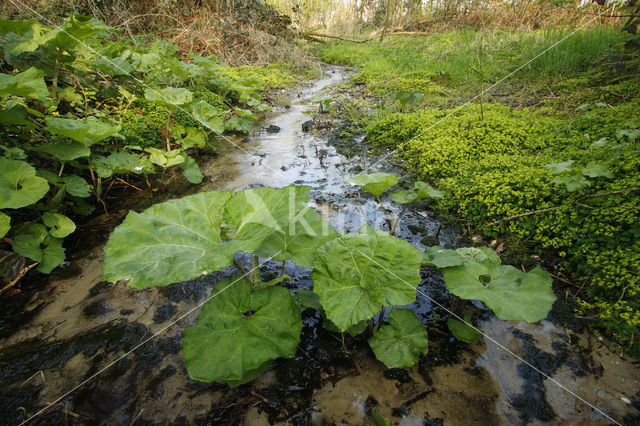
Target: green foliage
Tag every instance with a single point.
(400, 343)
(355, 275)
(375, 183)
(71, 115)
(239, 330)
(463, 331)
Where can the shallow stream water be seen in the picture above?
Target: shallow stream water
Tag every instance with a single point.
(70, 329)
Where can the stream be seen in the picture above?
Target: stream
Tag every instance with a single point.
(64, 332)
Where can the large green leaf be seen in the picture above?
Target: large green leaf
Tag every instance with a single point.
(19, 185)
(14, 113)
(419, 191)
(254, 214)
(300, 239)
(191, 170)
(173, 241)
(87, 131)
(240, 329)
(572, 182)
(597, 170)
(36, 244)
(60, 225)
(509, 292)
(28, 84)
(188, 137)
(557, 168)
(463, 330)
(208, 116)
(65, 150)
(356, 274)
(120, 163)
(427, 191)
(5, 224)
(442, 258)
(170, 95)
(400, 343)
(73, 185)
(375, 183)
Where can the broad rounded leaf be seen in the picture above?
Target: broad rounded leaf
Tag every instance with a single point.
(463, 331)
(597, 170)
(19, 185)
(356, 274)
(87, 131)
(572, 182)
(254, 214)
(65, 150)
(28, 84)
(557, 168)
(240, 329)
(300, 239)
(404, 197)
(482, 255)
(191, 170)
(121, 162)
(36, 244)
(427, 191)
(400, 343)
(375, 183)
(208, 116)
(170, 95)
(60, 225)
(173, 241)
(5, 224)
(76, 186)
(442, 258)
(188, 137)
(509, 292)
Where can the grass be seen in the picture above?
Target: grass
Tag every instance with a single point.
(462, 62)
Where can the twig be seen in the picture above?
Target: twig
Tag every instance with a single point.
(16, 279)
(338, 38)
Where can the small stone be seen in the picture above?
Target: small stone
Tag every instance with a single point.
(307, 126)
(273, 129)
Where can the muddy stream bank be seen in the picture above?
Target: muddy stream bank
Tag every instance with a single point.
(72, 328)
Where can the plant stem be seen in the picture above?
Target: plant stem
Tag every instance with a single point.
(254, 273)
(395, 223)
(386, 214)
(239, 267)
(282, 269)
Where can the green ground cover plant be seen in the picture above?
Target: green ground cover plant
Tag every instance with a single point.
(562, 174)
(81, 109)
(357, 277)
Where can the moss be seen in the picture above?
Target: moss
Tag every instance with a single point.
(276, 76)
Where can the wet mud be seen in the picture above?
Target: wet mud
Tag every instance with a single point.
(114, 354)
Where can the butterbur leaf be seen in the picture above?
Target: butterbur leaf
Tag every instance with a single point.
(299, 239)
(375, 183)
(65, 150)
(245, 327)
(60, 225)
(122, 162)
(5, 224)
(16, 114)
(307, 299)
(509, 292)
(28, 84)
(87, 131)
(442, 258)
(169, 95)
(190, 170)
(356, 274)
(597, 170)
(404, 197)
(166, 158)
(177, 240)
(557, 168)
(400, 343)
(572, 182)
(254, 214)
(463, 331)
(483, 255)
(427, 191)
(36, 244)
(208, 116)
(76, 186)
(19, 185)
(188, 137)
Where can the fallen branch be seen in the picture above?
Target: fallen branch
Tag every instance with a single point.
(16, 279)
(336, 37)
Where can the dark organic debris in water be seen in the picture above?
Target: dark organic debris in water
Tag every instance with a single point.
(165, 312)
(97, 308)
(402, 409)
(100, 287)
(273, 129)
(399, 374)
